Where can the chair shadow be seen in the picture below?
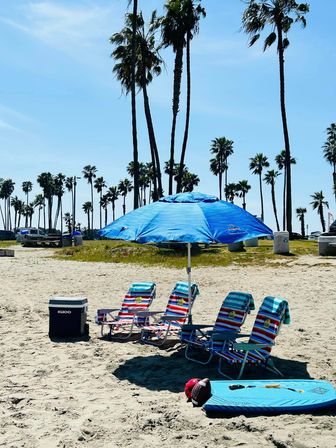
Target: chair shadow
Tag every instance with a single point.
(160, 372)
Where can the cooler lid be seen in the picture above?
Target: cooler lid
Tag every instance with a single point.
(68, 302)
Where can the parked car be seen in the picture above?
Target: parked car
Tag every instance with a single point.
(297, 236)
(6, 235)
(314, 235)
(30, 232)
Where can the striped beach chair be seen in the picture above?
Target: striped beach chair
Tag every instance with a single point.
(232, 314)
(171, 321)
(122, 322)
(273, 312)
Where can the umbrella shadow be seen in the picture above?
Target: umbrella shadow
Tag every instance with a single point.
(161, 372)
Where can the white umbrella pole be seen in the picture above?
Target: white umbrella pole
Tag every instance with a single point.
(189, 280)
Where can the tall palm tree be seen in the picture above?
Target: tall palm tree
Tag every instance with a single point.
(27, 187)
(89, 173)
(193, 14)
(16, 204)
(222, 148)
(269, 178)
(99, 184)
(133, 93)
(189, 181)
(300, 212)
(20, 212)
(280, 160)
(174, 35)
(104, 201)
(317, 203)
(124, 187)
(113, 194)
(46, 182)
(279, 15)
(29, 211)
(217, 168)
(87, 208)
(243, 187)
(6, 190)
(329, 151)
(39, 202)
(257, 164)
(148, 65)
(59, 192)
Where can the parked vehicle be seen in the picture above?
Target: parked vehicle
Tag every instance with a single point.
(297, 236)
(31, 236)
(314, 235)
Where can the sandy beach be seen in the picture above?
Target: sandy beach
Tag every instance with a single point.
(98, 393)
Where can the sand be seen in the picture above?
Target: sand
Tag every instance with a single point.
(98, 393)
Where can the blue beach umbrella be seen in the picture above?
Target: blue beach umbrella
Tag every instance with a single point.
(187, 218)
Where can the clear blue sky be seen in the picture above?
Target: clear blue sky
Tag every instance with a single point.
(61, 108)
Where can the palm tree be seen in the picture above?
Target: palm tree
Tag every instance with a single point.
(243, 188)
(318, 203)
(104, 201)
(231, 191)
(99, 184)
(280, 160)
(124, 187)
(16, 204)
(39, 202)
(27, 187)
(189, 181)
(20, 211)
(59, 191)
(280, 15)
(269, 178)
(257, 164)
(46, 182)
(329, 151)
(193, 14)
(113, 194)
(6, 190)
(174, 35)
(89, 173)
(217, 168)
(29, 211)
(148, 64)
(300, 212)
(87, 208)
(222, 148)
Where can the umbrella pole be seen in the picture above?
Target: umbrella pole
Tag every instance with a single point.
(189, 280)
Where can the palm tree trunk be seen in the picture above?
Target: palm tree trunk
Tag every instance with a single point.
(26, 221)
(157, 181)
(334, 179)
(274, 206)
(186, 129)
(105, 216)
(39, 215)
(302, 226)
(91, 203)
(284, 201)
(2, 216)
(220, 185)
(124, 205)
(226, 178)
(100, 210)
(57, 211)
(113, 210)
(88, 213)
(285, 131)
(134, 123)
(244, 203)
(44, 214)
(176, 99)
(261, 198)
(322, 218)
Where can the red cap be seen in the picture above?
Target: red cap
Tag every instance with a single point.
(189, 387)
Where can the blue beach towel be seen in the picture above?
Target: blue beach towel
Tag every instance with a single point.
(278, 306)
(141, 288)
(181, 289)
(239, 301)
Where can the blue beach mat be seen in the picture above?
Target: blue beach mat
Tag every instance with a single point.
(270, 397)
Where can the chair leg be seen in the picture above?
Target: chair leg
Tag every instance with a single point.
(220, 369)
(271, 367)
(193, 359)
(243, 366)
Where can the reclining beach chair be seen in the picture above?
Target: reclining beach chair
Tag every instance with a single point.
(121, 325)
(231, 316)
(272, 314)
(169, 323)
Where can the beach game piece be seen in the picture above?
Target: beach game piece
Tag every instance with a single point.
(270, 397)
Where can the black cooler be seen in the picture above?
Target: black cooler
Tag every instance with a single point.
(67, 317)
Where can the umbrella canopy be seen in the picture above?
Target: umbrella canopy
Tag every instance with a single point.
(187, 218)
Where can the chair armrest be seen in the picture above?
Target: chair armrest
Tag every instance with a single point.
(107, 310)
(170, 317)
(139, 311)
(225, 335)
(247, 346)
(148, 313)
(190, 327)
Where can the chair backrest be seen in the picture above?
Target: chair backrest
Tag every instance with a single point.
(178, 303)
(233, 311)
(139, 296)
(272, 313)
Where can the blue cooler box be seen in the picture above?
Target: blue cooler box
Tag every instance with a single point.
(67, 317)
